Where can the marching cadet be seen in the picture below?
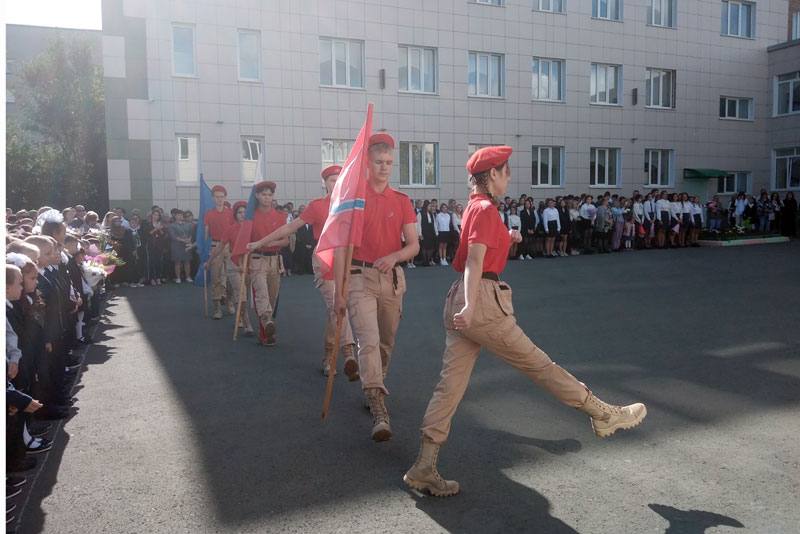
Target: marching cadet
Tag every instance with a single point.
(316, 214)
(377, 282)
(265, 275)
(478, 313)
(216, 221)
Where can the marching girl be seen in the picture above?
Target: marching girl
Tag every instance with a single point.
(675, 217)
(686, 219)
(479, 313)
(662, 222)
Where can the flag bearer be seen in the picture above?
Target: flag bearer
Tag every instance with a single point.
(377, 282)
(216, 221)
(478, 313)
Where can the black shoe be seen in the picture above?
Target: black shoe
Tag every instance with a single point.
(26, 464)
(44, 446)
(11, 491)
(74, 363)
(15, 482)
(52, 414)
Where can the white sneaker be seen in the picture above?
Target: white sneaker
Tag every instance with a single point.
(521, 258)
(177, 280)
(189, 280)
(444, 262)
(528, 257)
(554, 254)
(412, 266)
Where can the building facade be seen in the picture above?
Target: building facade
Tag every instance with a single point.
(593, 95)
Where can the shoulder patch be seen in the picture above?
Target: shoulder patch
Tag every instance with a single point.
(485, 204)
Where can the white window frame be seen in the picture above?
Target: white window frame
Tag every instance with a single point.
(549, 6)
(562, 77)
(348, 81)
(791, 82)
(251, 140)
(735, 176)
(597, 9)
(194, 49)
(727, 15)
(178, 158)
(549, 150)
(659, 153)
(239, 33)
(725, 102)
(608, 155)
(667, 10)
(651, 74)
(796, 25)
(792, 160)
(407, 49)
(347, 143)
(407, 146)
(490, 80)
(594, 71)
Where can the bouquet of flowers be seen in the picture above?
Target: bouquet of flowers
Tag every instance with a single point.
(93, 272)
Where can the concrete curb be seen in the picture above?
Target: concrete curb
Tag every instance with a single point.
(740, 242)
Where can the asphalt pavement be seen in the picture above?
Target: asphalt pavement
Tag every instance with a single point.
(181, 430)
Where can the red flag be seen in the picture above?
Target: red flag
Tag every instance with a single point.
(345, 222)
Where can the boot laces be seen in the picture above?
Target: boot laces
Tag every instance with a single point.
(615, 410)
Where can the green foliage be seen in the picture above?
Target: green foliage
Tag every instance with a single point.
(57, 154)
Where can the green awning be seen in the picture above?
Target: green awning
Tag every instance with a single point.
(704, 173)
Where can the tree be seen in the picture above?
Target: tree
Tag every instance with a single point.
(57, 154)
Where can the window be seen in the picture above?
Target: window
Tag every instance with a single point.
(547, 166)
(188, 148)
(738, 19)
(489, 2)
(485, 75)
(796, 25)
(662, 13)
(553, 6)
(251, 150)
(604, 167)
(605, 84)
(548, 79)
(416, 71)
(787, 168)
(341, 63)
(183, 46)
(249, 55)
(734, 182)
(335, 151)
(735, 108)
(471, 149)
(418, 165)
(658, 167)
(660, 88)
(607, 9)
(788, 93)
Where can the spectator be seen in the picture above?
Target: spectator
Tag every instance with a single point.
(764, 208)
(179, 243)
(443, 221)
(789, 215)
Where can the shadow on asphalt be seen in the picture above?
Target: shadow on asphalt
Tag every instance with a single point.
(692, 521)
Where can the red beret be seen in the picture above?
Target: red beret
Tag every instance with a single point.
(333, 169)
(488, 158)
(261, 185)
(226, 204)
(381, 138)
(239, 204)
(219, 188)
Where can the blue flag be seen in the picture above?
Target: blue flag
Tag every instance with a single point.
(203, 241)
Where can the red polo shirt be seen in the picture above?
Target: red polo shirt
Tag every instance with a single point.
(264, 223)
(218, 222)
(316, 213)
(384, 217)
(231, 233)
(481, 224)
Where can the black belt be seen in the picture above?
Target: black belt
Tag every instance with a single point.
(215, 241)
(261, 253)
(359, 263)
(491, 276)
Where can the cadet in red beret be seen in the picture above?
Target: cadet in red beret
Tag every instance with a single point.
(216, 221)
(264, 260)
(478, 313)
(233, 271)
(377, 282)
(315, 214)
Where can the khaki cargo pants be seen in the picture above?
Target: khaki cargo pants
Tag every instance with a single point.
(217, 268)
(265, 278)
(234, 274)
(375, 302)
(494, 327)
(326, 287)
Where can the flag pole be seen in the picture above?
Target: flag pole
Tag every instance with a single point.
(340, 319)
(205, 293)
(243, 261)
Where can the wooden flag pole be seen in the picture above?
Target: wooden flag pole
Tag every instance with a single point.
(205, 291)
(340, 319)
(243, 261)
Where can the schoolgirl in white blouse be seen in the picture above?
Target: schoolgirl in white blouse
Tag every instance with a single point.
(552, 225)
(697, 222)
(686, 219)
(662, 222)
(675, 210)
(650, 215)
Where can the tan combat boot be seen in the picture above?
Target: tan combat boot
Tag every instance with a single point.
(424, 476)
(269, 333)
(350, 362)
(381, 431)
(607, 419)
(245, 322)
(231, 307)
(327, 354)
(217, 310)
